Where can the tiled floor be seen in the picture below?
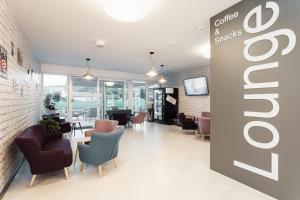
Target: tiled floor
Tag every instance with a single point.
(155, 163)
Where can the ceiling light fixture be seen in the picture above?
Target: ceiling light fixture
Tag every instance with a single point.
(127, 10)
(199, 28)
(88, 75)
(162, 78)
(110, 84)
(152, 71)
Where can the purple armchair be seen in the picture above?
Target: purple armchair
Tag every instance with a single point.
(45, 152)
(139, 118)
(186, 122)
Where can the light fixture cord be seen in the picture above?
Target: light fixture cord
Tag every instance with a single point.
(153, 62)
(87, 63)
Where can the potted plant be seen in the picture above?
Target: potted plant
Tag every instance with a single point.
(51, 125)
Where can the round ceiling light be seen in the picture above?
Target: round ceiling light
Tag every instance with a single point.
(127, 10)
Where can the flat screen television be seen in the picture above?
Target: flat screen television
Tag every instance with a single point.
(196, 86)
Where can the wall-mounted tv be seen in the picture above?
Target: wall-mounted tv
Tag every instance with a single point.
(196, 86)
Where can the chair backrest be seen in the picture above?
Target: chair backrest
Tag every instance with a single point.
(105, 146)
(204, 125)
(31, 140)
(205, 114)
(181, 118)
(139, 118)
(106, 126)
(114, 108)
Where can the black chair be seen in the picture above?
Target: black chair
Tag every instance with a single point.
(186, 122)
(122, 118)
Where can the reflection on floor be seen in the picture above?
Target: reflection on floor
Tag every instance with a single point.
(156, 162)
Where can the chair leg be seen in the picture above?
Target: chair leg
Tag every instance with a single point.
(81, 167)
(32, 181)
(66, 173)
(100, 170)
(115, 162)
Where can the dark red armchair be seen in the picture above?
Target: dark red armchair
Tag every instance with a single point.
(45, 152)
(186, 122)
(122, 118)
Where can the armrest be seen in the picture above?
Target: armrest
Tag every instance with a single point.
(85, 153)
(83, 147)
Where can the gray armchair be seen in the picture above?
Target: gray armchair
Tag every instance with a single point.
(102, 148)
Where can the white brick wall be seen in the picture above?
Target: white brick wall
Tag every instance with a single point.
(190, 105)
(16, 112)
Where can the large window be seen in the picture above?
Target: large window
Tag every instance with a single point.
(55, 94)
(113, 95)
(91, 99)
(84, 101)
(139, 96)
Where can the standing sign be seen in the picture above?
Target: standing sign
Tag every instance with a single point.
(255, 95)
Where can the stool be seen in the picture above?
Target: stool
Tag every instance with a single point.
(74, 125)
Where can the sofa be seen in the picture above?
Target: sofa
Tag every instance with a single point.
(103, 147)
(104, 126)
(45, 152)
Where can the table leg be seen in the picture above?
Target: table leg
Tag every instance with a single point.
(80, 127)
(76, 154)
(74, 128)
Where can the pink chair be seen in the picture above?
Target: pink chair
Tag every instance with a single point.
(205, 114)
(139, 118)
(204, 126)
(103, 126)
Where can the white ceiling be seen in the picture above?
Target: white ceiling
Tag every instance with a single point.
(64, 32)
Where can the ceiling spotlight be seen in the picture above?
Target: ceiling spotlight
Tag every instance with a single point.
(127, 10)
(172, 43)
(152, 71)
(88, 75)
(199, 28)
(100, 43)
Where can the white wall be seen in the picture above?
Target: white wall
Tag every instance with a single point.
(16, 112)
(190, 105)
(102, 74)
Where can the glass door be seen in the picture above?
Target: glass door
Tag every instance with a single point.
(113, 96)
(55, 94)
(139, 96)
(84, 101)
